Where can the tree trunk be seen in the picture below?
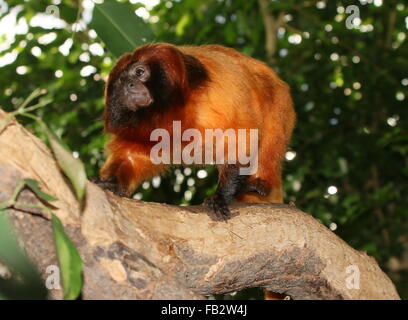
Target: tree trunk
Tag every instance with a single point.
(139, 250)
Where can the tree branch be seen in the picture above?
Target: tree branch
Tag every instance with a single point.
(138, 250)
(272, 25)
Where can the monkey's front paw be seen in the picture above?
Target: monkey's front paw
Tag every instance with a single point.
(218, 206)
(104, 184)
(110, 185)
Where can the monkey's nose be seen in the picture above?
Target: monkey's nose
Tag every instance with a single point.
(131, 87)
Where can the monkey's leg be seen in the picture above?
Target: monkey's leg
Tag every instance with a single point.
(230, 183)
(107, 179)
(266, 184)
(128, 173)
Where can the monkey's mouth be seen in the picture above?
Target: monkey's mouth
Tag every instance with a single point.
(136, 103)
(141, 103)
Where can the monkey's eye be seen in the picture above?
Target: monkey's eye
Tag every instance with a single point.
(140, 72)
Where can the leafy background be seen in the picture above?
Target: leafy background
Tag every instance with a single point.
(347, 163)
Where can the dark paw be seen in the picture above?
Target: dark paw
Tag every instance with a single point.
(219, 208)
(110, 185)
(258, 186)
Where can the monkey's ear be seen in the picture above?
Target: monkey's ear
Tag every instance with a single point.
(196, 71)
(183, 71)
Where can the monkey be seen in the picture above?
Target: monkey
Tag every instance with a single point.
(202, 87)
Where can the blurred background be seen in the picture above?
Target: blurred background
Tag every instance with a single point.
(347, 65)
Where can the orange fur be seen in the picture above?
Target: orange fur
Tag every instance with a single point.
(242, 93)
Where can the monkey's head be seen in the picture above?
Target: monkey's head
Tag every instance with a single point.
(130, 90)
(152, 79)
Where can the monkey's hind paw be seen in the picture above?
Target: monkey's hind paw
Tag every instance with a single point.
(258, 186)
(219, 208)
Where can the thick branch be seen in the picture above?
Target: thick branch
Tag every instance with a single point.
(138, 250)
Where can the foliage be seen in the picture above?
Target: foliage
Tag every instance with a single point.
(69, 260)
(347, 163)
(119, 28)
(25, 282)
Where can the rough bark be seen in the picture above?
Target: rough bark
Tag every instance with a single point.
(138, 250)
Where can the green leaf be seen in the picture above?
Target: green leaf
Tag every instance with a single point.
(69, 260)
(34, 186)
(69, 14)
(73, 168)
(25, 282)
(182, 24)
(119, 27)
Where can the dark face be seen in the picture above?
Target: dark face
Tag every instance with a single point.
(148, 82)
(130, 91)
(138, 91)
